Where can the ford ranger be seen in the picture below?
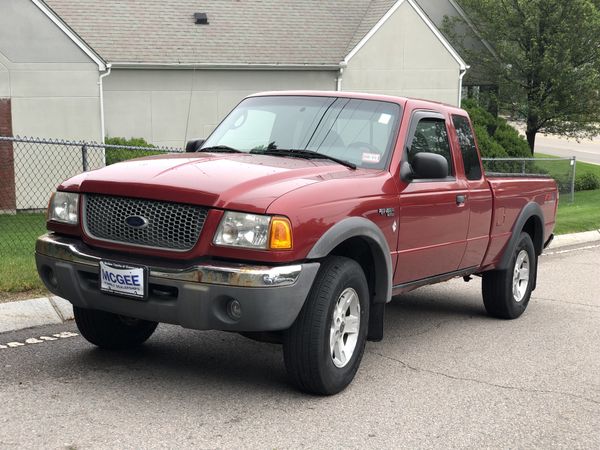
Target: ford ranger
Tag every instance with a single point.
(295, 222)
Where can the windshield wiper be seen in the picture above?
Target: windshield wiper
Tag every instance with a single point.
(302, 154)
(220, 149)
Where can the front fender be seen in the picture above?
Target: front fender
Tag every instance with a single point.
(360, 227)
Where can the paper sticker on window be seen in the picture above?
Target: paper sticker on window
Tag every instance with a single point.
(384, 118)
(372, 158)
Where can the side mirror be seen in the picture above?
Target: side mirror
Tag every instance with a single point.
(194, 146)
(426, 166)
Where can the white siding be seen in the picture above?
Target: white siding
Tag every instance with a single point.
(154, 104)
(53, 86)
(404, 57)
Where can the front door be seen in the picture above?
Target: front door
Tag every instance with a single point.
(433, 217)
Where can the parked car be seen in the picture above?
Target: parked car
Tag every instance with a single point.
(296, 222)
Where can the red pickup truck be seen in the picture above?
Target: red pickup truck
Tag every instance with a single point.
(295, 222)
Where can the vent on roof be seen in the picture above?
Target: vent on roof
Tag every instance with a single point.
(201, 18)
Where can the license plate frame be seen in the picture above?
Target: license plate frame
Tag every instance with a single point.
(123, 282)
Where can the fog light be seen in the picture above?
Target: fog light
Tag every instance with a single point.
(234, 309)
(49, 276)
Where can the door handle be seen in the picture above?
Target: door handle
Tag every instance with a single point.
(461, 199)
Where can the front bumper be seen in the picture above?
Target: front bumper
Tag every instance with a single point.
(193, 296)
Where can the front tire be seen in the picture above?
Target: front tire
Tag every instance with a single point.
(111, 331)
(506, 293)
(324, 347)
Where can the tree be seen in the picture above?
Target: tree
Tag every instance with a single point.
(547, 61)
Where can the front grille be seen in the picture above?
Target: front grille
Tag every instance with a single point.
(171, 226)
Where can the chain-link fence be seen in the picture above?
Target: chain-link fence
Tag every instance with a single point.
(561, 169)
(30, 170)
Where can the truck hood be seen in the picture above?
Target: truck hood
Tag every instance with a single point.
(228, 181)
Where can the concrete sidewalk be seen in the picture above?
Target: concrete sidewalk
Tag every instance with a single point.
(53, 310)
(34, 312)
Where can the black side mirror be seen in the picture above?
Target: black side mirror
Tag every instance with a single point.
(426, 166)
(194, 146)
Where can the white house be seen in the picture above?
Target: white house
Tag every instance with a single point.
(168, 70)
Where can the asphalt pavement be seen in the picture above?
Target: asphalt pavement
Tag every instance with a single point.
(445, 376)
(586, 150)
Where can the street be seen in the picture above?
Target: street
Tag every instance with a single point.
(445, 375)
(587, 150)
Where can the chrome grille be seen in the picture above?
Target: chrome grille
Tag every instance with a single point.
(172, 226)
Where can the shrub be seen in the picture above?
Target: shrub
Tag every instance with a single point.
(115, 155)
(587, 182)
(479, 116)
(500, 139)
(488, 147)
(512, 142)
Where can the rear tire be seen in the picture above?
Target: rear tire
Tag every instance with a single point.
(111, 331)
(506, 293)
(324, 347)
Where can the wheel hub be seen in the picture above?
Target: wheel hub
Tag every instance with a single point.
(521, 276)
(345, 325)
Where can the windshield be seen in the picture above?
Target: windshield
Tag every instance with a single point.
(358, 131)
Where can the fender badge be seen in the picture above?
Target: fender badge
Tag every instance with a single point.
(389, 212)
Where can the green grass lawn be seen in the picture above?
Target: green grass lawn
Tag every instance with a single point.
(581, 168)
(582, 215)
(17, 245)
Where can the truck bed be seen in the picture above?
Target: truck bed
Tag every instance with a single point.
(510, 195)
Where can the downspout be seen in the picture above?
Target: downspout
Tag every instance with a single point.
(463, 71)
(338, 81)
(101, 87)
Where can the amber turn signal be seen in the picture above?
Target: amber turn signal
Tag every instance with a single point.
(281, 234)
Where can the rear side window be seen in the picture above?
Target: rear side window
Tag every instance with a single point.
(467, 147)
(431, 137)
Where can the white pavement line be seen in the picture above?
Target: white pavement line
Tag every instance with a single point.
(40, 340)
(558, 252)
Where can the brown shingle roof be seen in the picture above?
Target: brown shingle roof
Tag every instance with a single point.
(287, 32)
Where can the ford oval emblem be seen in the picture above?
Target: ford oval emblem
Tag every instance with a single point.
(138, 222)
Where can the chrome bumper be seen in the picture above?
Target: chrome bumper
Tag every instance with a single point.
(228, 274)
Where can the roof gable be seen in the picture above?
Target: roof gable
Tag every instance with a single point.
(305, 33)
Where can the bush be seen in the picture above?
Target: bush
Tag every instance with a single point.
(480, 116)
(115, 155)
(513, 143)
(497, 139)
(488, 147)
(587, 182)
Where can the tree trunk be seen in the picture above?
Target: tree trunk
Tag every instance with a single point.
(531, 139)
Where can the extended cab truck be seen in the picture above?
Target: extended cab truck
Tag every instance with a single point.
(297, 220)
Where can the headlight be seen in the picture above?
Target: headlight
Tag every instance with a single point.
(64, 208)
(254, 231)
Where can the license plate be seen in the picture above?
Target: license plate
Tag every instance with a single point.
(122, 279)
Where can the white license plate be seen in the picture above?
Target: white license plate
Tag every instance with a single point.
(123, 279)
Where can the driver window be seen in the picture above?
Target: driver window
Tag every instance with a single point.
(431, 136)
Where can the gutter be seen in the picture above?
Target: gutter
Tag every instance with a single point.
(463, 71)
(224, 66)
(101, 87)
(338, 80)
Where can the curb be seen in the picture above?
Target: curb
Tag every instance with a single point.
(55, 310)
(34, 313)
(565, 240)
